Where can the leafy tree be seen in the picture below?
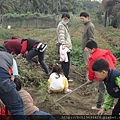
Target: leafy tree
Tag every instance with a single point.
(111, 10)
(115, 15)
(5, 6)
(47, 6)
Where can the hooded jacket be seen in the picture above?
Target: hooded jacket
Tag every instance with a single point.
(99, 53)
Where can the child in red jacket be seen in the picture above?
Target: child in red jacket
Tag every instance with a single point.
(97, 53)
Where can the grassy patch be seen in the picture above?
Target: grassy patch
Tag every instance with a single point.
(76, 54)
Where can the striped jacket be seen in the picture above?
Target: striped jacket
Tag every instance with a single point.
(63, 35)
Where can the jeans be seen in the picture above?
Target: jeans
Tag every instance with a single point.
(33, 53)
(101, 94)
(66, 66)
(40, 115)
(11, 98)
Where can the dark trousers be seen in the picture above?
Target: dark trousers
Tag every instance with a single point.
(10, 97)
(116, 111)
(33, 53)
(66, 66)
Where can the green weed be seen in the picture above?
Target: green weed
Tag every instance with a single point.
(43, 87)
(114, 34)
(77, 54)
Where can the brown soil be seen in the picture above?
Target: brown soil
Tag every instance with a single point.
(78, 102)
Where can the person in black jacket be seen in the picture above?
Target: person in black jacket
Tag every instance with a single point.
(111, 79)
(34, 48)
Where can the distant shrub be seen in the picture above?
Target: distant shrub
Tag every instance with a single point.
(6, 34)
(22, 16)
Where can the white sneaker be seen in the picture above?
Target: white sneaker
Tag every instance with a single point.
(67, 91)
(70, 80)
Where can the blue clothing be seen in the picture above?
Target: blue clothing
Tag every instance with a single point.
(6, 60)
(42, 115)
(11, 98)
(4, 74)
(110, 82)
(8, 92)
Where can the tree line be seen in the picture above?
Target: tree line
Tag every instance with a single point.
(46, 6)
(109, 9)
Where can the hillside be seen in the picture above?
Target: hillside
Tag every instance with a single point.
(80, 101)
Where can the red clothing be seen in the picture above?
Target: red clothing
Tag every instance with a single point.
(4, 114)
(13, 46)
(24, 47)
(99, 53)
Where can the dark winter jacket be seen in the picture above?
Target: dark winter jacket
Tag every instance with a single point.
(28, 44)
(112, 83)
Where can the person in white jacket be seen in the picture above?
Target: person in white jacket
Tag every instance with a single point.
(57, 81)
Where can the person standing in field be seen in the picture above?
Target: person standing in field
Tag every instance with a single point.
(88, 34)
(97, 53)
(64, 39)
